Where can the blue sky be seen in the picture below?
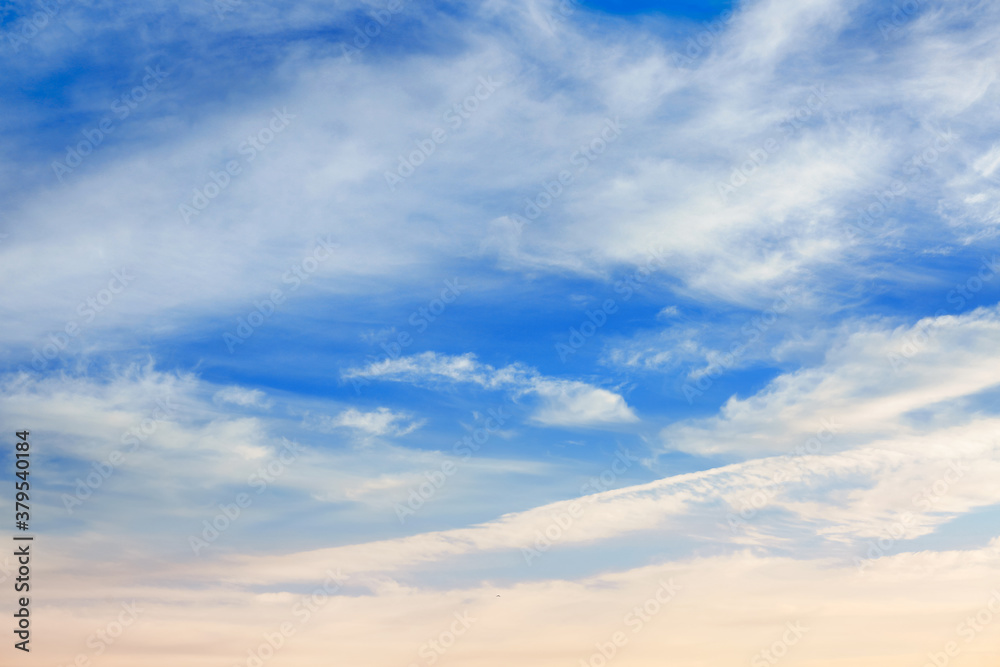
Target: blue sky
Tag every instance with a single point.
(726, 272)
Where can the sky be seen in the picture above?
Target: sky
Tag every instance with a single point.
(548, 332)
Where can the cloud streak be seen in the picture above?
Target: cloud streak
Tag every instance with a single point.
(562, 402)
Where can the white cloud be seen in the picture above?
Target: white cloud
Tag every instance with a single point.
(566, 403)
(668, 312)
(847, 495)
(869, 383)
(902, 418)
(563, 402)
(556, 617)
(657, 351)
(379, 422)
(829, 505)
(243, 397)
(783, 227)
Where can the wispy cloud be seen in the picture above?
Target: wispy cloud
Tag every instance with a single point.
(243, 397)
(380, 422)
(840, 156)
(873, 382)
(562, 402)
